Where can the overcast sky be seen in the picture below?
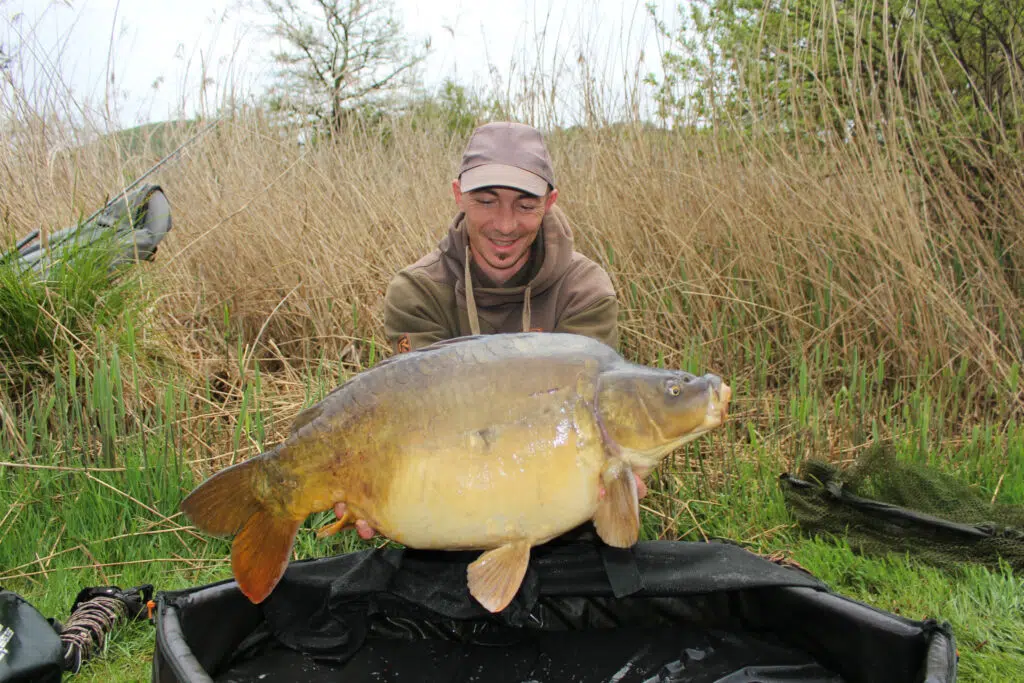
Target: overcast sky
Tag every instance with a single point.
(155, 48)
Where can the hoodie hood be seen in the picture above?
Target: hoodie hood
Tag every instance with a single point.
(553, 248)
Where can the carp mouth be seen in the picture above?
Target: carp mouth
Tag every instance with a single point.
(718, 407)
(720, 394)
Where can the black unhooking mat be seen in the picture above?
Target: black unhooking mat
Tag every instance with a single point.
(662, 612)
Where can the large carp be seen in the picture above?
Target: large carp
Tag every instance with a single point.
(493, 442)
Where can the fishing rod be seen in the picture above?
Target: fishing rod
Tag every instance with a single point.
(123, 193)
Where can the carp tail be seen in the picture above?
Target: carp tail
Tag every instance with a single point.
(259, 554)
(226, 504)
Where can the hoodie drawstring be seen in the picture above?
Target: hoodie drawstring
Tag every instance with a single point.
(474, 322)
(527, 317)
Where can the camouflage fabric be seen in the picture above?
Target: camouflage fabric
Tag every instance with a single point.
(882, 505)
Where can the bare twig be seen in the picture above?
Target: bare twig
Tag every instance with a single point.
(100, 566)
(60, 468)
(8, 423)
(151, 509)
(999, 485)
(95, 564)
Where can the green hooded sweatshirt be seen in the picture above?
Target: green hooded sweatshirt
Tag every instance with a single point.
(557, 290)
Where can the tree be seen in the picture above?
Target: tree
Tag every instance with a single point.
(453, 109)
(339, 56)
(937, 84)
(849, 66)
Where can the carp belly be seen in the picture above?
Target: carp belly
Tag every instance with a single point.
(532, 479)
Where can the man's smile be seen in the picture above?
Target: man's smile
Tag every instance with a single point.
(504, 247)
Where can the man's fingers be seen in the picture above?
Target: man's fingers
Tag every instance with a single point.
(363, 528)
(641, 487)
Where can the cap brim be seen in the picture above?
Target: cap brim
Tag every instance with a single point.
(500, 175)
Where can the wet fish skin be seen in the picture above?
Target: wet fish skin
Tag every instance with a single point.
(498, 442)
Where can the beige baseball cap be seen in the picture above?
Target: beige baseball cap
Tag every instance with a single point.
(506, 154)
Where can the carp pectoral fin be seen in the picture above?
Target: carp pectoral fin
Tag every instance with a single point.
(345, 521)
(495, 576)
(617, 519)
(259, 553)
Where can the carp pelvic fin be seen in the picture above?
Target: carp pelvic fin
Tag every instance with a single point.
(617, 519)
(495, 576)
(346, 520)
(259, 554)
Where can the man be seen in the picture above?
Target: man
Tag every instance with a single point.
(507, 263)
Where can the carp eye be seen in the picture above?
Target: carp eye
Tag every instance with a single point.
(674, 390)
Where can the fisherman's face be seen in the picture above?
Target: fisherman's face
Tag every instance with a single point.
(501, 224)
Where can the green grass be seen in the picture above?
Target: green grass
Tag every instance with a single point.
(102, 436)
(100, 443)
(93, 478)
(76, 304)
(854, 290)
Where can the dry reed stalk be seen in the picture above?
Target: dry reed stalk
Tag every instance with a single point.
(722, 242)
(195, 562)
(175, 527)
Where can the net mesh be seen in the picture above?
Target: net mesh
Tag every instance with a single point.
(880, 504)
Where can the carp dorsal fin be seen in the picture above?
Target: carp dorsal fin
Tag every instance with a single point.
(495, 576)
(306, 416)
(617, 519)
(441, 343)
(453, 340)
(314, 411)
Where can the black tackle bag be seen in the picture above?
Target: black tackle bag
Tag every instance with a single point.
(661, 612)
(30, 649)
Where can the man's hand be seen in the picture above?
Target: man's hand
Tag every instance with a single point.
(641, 488)
(362, 527)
